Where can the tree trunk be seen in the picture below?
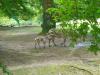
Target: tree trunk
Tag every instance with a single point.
(48, 22)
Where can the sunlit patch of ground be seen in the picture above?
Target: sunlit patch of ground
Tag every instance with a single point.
(69, 68)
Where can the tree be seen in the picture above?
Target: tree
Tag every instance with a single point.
(18, 9)
(48, 21)
(26, 9)
(83, 10)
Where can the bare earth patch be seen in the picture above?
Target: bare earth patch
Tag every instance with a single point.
(17, 50)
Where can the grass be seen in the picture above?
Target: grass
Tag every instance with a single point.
(75, 69)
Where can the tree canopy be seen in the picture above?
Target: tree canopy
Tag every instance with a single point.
(19, 9)
(86, 11)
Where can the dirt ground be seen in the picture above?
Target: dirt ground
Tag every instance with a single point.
(17, 48)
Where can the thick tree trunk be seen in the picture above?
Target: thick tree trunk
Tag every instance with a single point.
(48, 23)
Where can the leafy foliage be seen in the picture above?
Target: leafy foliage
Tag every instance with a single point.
(87, 12)
(19, 9)
(5, 70)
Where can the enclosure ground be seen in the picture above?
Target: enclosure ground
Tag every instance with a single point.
(17, 51)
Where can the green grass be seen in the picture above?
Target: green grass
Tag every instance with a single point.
(58, 70)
